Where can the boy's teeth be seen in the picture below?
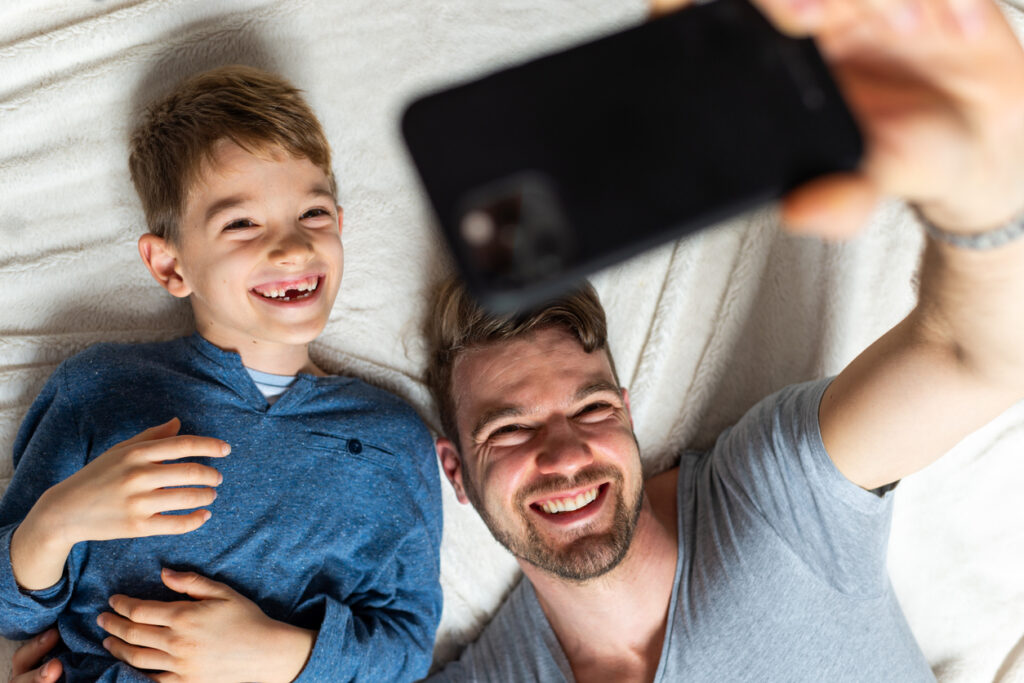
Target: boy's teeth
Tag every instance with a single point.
(303, 286)
(569, 504)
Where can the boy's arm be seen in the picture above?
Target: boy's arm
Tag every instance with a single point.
(120, 494)
(53, 502)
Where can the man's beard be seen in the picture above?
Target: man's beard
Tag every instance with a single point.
(588, 556)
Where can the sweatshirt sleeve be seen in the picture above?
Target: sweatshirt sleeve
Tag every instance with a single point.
(47, 450)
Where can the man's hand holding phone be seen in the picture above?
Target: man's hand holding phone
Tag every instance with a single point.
(937, 87)
(123, 493)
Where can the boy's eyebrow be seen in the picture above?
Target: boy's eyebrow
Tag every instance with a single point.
(234, 200)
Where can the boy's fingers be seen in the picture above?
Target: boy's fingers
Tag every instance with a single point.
(195, 585)
(834, 206)
(139, 657)
(171, 500)
(154, 613)
(132, 633)
(167, 429)
(177, 447)
(28, 655)
(176, 474)
(172, 525)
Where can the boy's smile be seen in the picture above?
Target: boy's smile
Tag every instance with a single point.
(259, 256)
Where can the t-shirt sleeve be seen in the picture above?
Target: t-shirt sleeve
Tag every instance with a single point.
(47, 450)
(773, 465)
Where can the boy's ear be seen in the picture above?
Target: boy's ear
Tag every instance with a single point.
(161, 260)
(451, 463)
(340, 214)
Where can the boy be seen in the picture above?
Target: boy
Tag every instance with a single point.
(326, 512)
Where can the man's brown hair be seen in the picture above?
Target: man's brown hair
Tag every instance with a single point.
(456, 323)
(256, 110)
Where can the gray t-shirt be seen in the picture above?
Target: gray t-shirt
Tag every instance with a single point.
(780, 574)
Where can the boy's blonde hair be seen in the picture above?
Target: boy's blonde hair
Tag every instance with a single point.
(179, 132)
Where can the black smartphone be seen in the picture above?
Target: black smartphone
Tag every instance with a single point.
(546, 171)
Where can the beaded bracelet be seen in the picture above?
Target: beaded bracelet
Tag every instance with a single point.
(990, 239)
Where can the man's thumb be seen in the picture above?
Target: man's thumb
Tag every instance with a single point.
(194, 585)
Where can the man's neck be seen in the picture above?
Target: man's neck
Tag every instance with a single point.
(613, 627)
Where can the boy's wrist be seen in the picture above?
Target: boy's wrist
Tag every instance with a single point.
(39, 551)
(292, 647)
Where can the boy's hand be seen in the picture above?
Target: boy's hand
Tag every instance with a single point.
(221, 636)
(28, 656)
(120, 494)
(938, 89)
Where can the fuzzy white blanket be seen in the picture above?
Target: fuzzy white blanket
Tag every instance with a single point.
(700, 329)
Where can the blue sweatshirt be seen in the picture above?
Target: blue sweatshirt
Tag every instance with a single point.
(329, 515)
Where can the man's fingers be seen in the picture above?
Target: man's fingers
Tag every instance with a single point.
(660, 7)
(28, 655)
(834, 206)
(195, 585)
(139, 657)
(133, 633)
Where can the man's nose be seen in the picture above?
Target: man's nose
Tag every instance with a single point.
(292, 246)
(563, 450)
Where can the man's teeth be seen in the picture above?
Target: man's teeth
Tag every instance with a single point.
(569, 504)
(296, 289)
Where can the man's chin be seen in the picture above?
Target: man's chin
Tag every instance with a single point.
(584, 559)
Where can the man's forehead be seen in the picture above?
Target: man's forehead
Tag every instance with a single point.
(543, 364)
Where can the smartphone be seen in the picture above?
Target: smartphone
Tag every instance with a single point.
(549, 170)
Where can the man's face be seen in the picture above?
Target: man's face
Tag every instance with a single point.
(549, 459)
(260, 249)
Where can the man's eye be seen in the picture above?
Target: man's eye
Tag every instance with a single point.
(595, 411)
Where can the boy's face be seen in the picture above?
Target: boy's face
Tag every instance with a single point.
(260, 251)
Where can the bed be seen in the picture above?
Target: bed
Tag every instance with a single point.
(701, 329)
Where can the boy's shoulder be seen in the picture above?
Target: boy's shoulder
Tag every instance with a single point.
(377, 404)
(121, 357)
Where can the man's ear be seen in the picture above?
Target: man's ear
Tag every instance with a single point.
(451, 463)
(161, 260)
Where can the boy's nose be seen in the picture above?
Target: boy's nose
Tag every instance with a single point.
(292, 247)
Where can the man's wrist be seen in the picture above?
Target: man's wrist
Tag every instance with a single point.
(978, 240)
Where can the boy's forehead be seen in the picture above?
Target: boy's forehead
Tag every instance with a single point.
(226, 171)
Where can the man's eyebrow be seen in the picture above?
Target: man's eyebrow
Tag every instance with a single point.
(502, 412)
(490, 416)
(596, 387)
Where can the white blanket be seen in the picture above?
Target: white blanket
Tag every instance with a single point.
(700, 329)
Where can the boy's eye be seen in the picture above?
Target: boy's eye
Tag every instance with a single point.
(315, 213)
(239, 224)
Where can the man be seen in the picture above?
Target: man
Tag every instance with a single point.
(765, 558)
